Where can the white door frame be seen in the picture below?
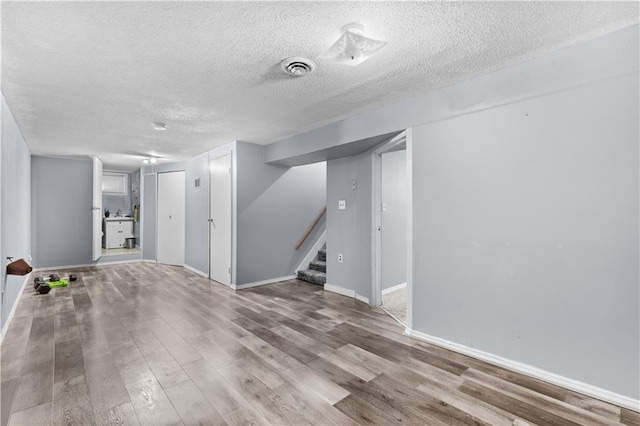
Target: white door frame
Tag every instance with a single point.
(376, 207)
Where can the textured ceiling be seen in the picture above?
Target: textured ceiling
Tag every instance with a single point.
(89, 78)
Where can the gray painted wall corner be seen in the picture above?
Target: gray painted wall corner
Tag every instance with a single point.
(62, 193)
(275, 206)
(148, 215)
(197, 205)
(15, 198)
(526, 234)
(349, 230)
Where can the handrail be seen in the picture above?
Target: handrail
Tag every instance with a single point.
(313, 225)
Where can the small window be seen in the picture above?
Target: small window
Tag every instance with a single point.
(115, 183)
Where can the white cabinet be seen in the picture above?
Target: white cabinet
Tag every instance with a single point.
(116, 231)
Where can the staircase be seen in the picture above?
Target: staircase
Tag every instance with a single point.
(317, 272)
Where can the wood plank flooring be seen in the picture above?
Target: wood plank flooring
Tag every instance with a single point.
(157, 345)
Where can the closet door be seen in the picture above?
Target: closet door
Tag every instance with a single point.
(220, 220)
(171, 218)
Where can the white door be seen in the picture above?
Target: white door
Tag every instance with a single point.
(96, 208)
(220, 220)
(171, 214)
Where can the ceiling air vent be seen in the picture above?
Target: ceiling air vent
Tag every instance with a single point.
(298, 67)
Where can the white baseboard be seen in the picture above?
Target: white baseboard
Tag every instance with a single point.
(265, 282)
(196, 271)
(148, 261)
(346, 292)
(116, 262)
(340, 290)
(394, 288)
(88, 265)
(14, 307)
(531, 371)
(362, 298)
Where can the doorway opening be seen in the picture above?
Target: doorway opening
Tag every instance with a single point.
(392, 213)
(121, 208)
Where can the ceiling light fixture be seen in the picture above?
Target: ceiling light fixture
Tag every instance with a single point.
(297, 66)
(145, 161)
(153, 160)
(352, 48)
(159, 126)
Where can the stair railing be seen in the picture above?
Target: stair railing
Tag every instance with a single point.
(313, 225)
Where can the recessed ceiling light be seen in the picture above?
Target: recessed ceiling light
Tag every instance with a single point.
(159, 126)
(145, 161)
(153, 160)
(297, 66)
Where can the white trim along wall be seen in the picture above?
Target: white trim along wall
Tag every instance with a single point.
(528, 370)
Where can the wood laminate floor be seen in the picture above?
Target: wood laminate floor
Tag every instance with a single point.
(159, 345)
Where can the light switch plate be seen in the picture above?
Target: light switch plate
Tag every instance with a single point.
(342, 204)
(354, 184)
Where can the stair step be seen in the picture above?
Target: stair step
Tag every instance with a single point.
(322, 255)
(312, 276)
(318, 265)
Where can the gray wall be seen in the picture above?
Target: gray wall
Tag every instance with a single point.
(15, 198)
(197, 204)
(526, 232)
(393, 235)
(61, 222)
(566, 298)
(349, 230)
(148, 216)
(275, 207)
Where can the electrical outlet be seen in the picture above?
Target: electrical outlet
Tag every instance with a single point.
(340, 258)
(342, 204)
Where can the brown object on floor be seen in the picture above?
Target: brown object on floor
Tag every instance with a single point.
(159, 345)
(19, 267)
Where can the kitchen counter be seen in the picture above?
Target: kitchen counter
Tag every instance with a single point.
(117, 219)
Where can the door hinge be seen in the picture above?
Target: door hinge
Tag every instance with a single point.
(229, 170)
(229, 269)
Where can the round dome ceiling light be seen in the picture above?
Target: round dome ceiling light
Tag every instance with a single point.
(159, 126)
(297, 66)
